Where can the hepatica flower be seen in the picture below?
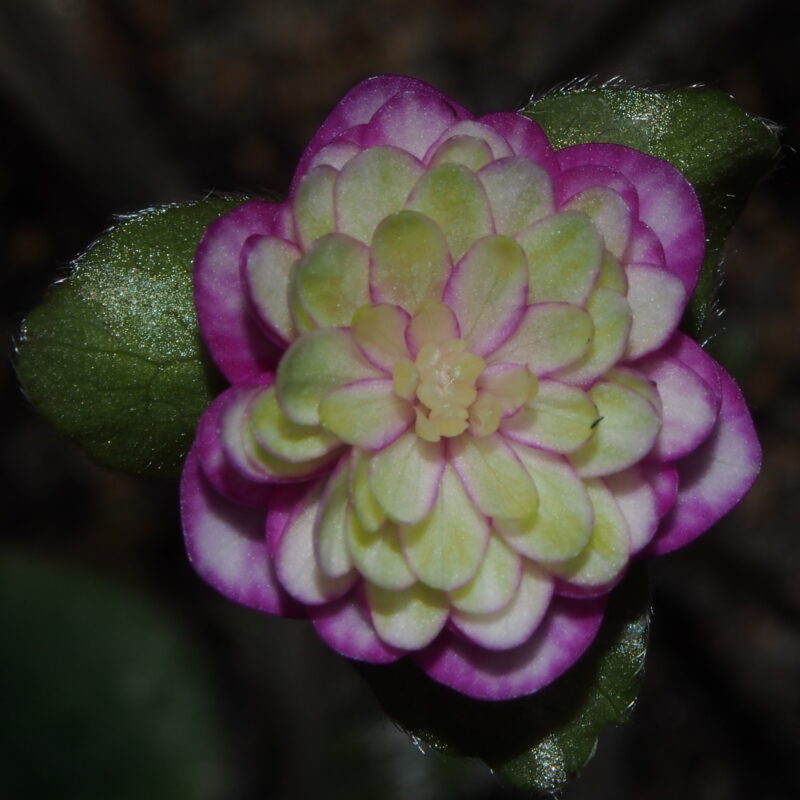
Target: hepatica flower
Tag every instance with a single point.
(459, 402)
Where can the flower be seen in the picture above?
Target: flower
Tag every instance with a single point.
(459, 402)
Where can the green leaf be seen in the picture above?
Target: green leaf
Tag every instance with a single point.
(542, 741)
(722, 150)
(112, 356)
(102, 694)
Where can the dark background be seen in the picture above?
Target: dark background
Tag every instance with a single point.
(107, 107)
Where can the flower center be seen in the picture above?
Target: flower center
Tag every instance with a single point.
(442, 384)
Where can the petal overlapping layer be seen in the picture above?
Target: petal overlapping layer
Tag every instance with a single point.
(459, 403)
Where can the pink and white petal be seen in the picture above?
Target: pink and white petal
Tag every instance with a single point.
(689, 406)
(668, 204)
(364, 506)
(573, 181)
(379, 556)
(487, 291)
(645, 247)
(513, 625)
(519, 191)
(447, 547)
(639, 504)
(245, 454)
(715, 477)
(296, 563)
(234, 339)
(366, 414)
(466, 150)
(567, 630)
(227, 546)
(612, 319)
(380, 332)
(223, 476)
(453, 197)
(524, 137)
(690, 353)
(562, 525)
(493, 476)
(409, 619)
(266, 266)
(495, 583)
(657, 300)
(410, 261)
(331, 281)
(498, 147)
(404, 477)
(609, 213)
(359, 106)
(413, 121)
(564, 253)
(313, 207)
(373, 185)
(549, 336)
(560, 419)
(664, 480)
(626, 432)
(344, 625)
(633, 378)
(331, 525)
(508, 384)
(338, 152)
(316, 364)
(434, 323)
(606, 555)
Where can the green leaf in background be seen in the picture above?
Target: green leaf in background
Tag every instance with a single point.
(722, 150)
(112, 356)
(102, 696)
(542, 741)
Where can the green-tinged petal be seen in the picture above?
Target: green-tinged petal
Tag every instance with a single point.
(316, 364)
(549, 336)
(373, 185)
(493, 476)
(366, 413)
(332, 280)
(446, 548)
(625, 434)
(512, 625)
(562, 524)
(564, 255)
(636, 381)
(609, 214)
(611, 317)
(331, 525)
(470, 151)
(657, 300)
(452, 196)
(612, 275)
(296, 560)
(378, 555)
(313, 206)
(494, 584)
(559, 418)
(509, 385)
(607, 552)
(366, 508)
(287, 440)
(410, 260)
(404, 477)
(379, 330)
(434, 323)
(267, 271)
(519, 191)
(410, 619)
(487, 291)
